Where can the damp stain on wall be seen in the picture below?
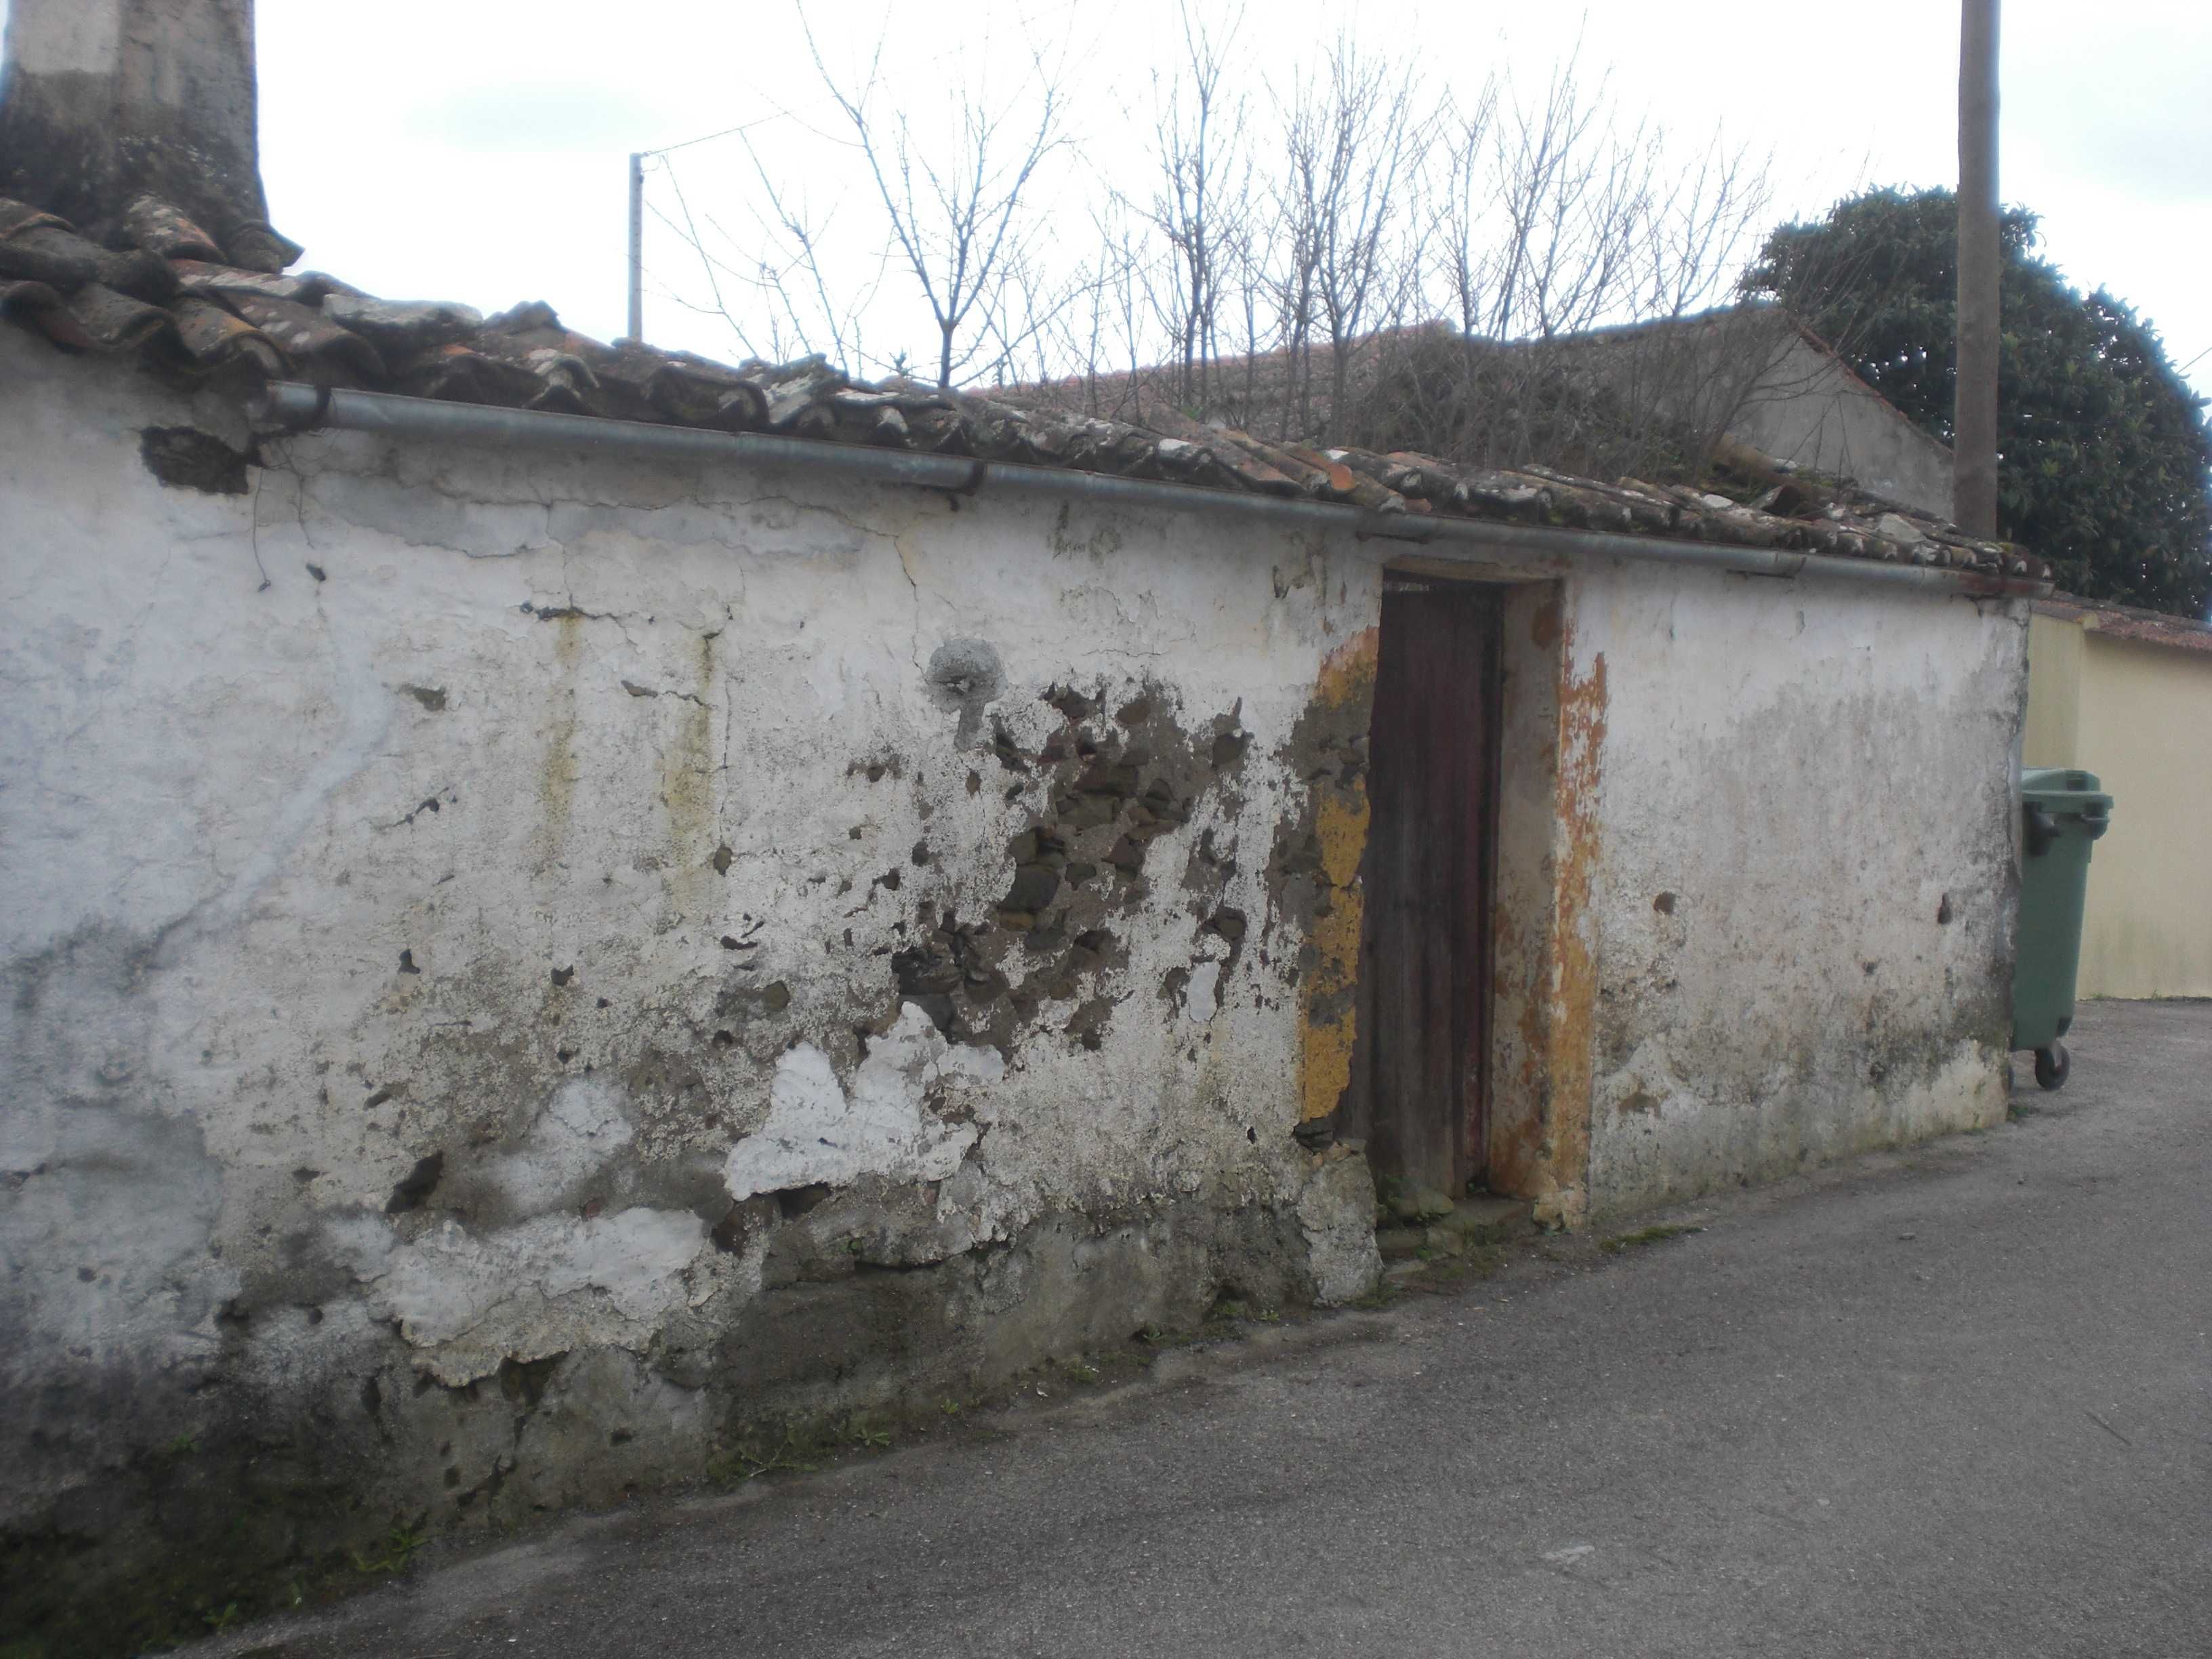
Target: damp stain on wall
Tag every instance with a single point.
(1573, 1007)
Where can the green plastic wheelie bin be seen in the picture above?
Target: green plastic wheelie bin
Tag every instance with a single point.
(2063, 812)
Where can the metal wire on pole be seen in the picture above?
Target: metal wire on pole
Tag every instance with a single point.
(637, 160)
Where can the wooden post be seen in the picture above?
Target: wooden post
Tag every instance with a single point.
(1974, 408)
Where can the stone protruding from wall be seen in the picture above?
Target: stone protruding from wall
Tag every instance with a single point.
(104, 103)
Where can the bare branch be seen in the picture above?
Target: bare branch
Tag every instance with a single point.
(958, 221)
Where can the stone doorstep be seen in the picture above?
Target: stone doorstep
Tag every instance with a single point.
(1472, 1221)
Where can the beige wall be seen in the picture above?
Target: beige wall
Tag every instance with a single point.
(2139, 715)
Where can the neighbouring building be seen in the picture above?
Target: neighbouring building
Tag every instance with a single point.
(566, 903)
(1765, 381)
(2127, 694)
(1744, 377)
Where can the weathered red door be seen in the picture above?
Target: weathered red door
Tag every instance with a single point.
(1425, 976)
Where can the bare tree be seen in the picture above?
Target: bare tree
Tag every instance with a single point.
(1500, 278)
(1200, 193)
(1467, 261)
(1350, 156)
(1117, 339)
(1568, 252)
(955, 221)
(1289, 261)
(795, 309)
(1027, 318)
(1089, 319)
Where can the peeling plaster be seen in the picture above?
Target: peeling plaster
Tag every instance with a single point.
(578, 1130)
(1201, 994)
(1336, 1212)
(544, 1287)
(556, 1280)
(1650, 1084)
(818, 1132)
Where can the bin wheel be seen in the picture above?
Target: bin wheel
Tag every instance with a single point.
(2051, 1065)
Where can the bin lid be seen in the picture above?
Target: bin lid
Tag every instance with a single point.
(2063, 789)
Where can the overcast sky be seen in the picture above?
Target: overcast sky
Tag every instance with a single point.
(475, 150)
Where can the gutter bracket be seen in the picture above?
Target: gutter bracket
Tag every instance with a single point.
(971, 488)
(1776, 573)
(1427, 538)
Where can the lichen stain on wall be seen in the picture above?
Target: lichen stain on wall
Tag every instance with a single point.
(1325, 849)
(559, 769)
(687, 779)
(1571, 1009)
(1522, 908)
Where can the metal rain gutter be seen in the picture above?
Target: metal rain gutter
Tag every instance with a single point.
(288, 407)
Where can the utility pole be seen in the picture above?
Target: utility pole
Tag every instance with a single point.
(637, 160)
(1974, 407)
(637, 246)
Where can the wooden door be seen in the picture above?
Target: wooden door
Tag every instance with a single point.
(1426, 974)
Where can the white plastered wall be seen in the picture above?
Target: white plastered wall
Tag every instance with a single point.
(1805, 909)
(442, 883)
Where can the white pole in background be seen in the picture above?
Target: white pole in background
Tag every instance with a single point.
(637, 246)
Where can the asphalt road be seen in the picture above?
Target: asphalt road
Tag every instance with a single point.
(1953, 1402)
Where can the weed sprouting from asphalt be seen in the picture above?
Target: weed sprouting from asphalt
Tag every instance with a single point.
(750, 1461)
(399, 1544)
(859, 1430)
(805, 1447)
(1642, 1237)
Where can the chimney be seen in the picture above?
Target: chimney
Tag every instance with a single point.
(106, 102)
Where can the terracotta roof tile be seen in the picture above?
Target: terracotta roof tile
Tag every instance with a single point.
(113, 321)
(214, 280)
(213, 335)
(2129, 623)
(190, 306)
(401, 326)
(306, 336)
(153, 225)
